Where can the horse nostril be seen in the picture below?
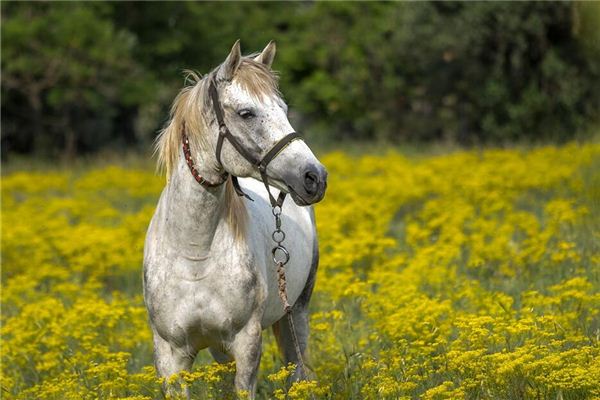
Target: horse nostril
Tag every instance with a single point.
(311, 182)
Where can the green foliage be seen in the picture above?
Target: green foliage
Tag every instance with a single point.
(72, 67)
(460, 72)
(467, 72)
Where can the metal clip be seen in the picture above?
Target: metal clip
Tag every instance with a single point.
(283, 253)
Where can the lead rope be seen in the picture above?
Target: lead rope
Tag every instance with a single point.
(281, 257)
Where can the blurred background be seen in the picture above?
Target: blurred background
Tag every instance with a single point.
(86, 77)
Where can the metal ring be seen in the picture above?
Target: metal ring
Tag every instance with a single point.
(276, 210)
(285, 254)
(275, 232)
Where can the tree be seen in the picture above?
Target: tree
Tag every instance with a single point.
(80, 76)
(71, 65)
(468, 72)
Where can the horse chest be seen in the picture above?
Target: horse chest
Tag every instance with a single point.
(189, 305)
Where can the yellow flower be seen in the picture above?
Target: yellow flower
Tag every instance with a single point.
(467, 275)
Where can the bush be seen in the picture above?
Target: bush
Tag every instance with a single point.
(77, 77)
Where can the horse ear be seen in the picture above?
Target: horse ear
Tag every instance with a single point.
(231, 64)
(267, 55)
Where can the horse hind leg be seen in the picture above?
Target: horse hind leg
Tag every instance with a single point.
(285, 341)
(168, 361)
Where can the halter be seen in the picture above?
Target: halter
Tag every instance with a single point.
(225, 133)
(260, 164)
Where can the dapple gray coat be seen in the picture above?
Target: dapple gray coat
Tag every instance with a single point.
(209, 277)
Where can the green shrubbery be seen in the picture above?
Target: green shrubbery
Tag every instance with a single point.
(80, 76)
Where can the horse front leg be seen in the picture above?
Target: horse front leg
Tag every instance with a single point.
(168, 361)
(246, 350)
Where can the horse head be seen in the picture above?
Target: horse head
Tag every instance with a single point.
(253, 136)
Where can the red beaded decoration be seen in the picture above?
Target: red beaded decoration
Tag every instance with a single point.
(190, 163)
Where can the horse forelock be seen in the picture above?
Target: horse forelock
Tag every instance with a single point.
(257, 79)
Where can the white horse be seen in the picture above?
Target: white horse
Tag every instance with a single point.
(209, 276)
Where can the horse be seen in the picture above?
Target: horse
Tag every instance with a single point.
(209, 276)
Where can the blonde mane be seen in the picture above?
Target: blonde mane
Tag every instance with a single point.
(192, 109)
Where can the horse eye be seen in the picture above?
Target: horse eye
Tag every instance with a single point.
(245, 114)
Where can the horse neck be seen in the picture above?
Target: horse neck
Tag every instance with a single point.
(193, 212)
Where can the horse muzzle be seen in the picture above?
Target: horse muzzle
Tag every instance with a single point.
(308, 188)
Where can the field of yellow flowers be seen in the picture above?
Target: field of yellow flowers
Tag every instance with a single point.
(474, 274)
